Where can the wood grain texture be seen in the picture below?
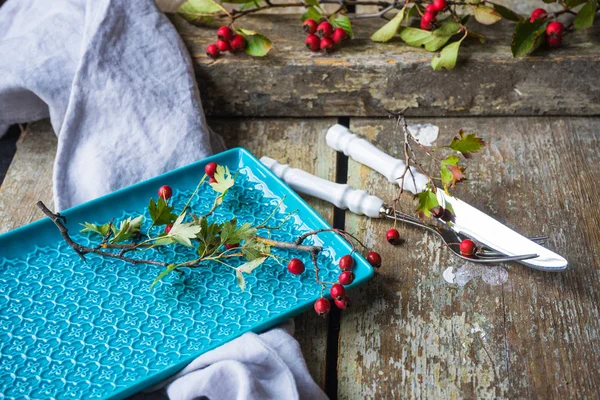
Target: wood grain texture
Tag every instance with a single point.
(29, 177)
(410, 334)
(365, 77)
(300, 143)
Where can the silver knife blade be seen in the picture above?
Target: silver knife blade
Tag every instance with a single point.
(485, 229)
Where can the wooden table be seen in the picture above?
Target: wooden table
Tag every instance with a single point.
(409, 333)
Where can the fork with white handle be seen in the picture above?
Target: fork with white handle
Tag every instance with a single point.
(361, 203)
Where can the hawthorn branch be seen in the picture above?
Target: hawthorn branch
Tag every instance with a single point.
(81, 250)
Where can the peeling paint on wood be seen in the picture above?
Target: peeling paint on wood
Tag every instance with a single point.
(365, 77)
(411, 335)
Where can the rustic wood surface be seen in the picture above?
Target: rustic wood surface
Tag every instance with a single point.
(29, 179)
(365, 77)
(410, 334)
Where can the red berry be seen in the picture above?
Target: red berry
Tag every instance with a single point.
(295, 266)
(555, 29)
(538, 13)
(374, 259)
(339, 35)
(225, 33)
(327, 45)
(439, 5)
(212, 51)
(431, 9)
(337, 291)
(437, 212)
(554, 41)
(324, 29)
(322, 307)
(342, 303)
(346, 263)
(393, 236)
(223, 45)
(467, 247)
(346, 278)
(229, 246)
(310, 26)
(447, 216)
(210, 169)
(427, 21)
(238, 43)
(212, 180)
(168, 228)
(313, 42)
(165, 192)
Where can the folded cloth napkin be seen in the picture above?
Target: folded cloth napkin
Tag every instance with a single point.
(118, 85)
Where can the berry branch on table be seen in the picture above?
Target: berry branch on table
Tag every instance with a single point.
(213, 241)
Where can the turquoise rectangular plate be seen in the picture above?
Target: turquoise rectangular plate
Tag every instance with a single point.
(95, 330)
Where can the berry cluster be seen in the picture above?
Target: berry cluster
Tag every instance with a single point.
(337, 290)
(322, 36)
(431, 11)
(554, 30)
(227, 41)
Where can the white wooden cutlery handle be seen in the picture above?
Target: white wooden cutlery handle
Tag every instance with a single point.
(341, 139)
(342, 196)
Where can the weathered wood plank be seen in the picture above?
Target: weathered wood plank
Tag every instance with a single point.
(365, 77)
(29, 177)
(410, 334)
(301, 143)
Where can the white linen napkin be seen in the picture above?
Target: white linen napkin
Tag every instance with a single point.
(118, 85)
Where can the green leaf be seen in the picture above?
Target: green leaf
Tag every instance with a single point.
(252, 249)
(99, 229)
(244, 232)
(447, 58)
(235, 1)
(427, 200)
(506, 13)
(486, 15)
(451, 172)
(312, 13)
(527, 37)
(448, 27)
(239, 278)
(389, 30)
(343, 22)
(250, 266)
(170, 268)
(574, 3)
(128, 229)
(198, 10)
(418, 37)
(585, 16)
(466, 144)
(250, 4)
(223, 178)
(181, 232)
(257, 45)
(161, 213)
(314, 3)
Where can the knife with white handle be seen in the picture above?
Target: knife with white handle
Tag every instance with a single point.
(342, 196)
(468, 220)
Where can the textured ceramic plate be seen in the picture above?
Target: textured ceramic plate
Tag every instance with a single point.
(70, 329)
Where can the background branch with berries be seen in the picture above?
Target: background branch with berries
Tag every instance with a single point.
(439, 26)
(225, 243)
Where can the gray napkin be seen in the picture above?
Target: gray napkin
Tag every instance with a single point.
(118, 85)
